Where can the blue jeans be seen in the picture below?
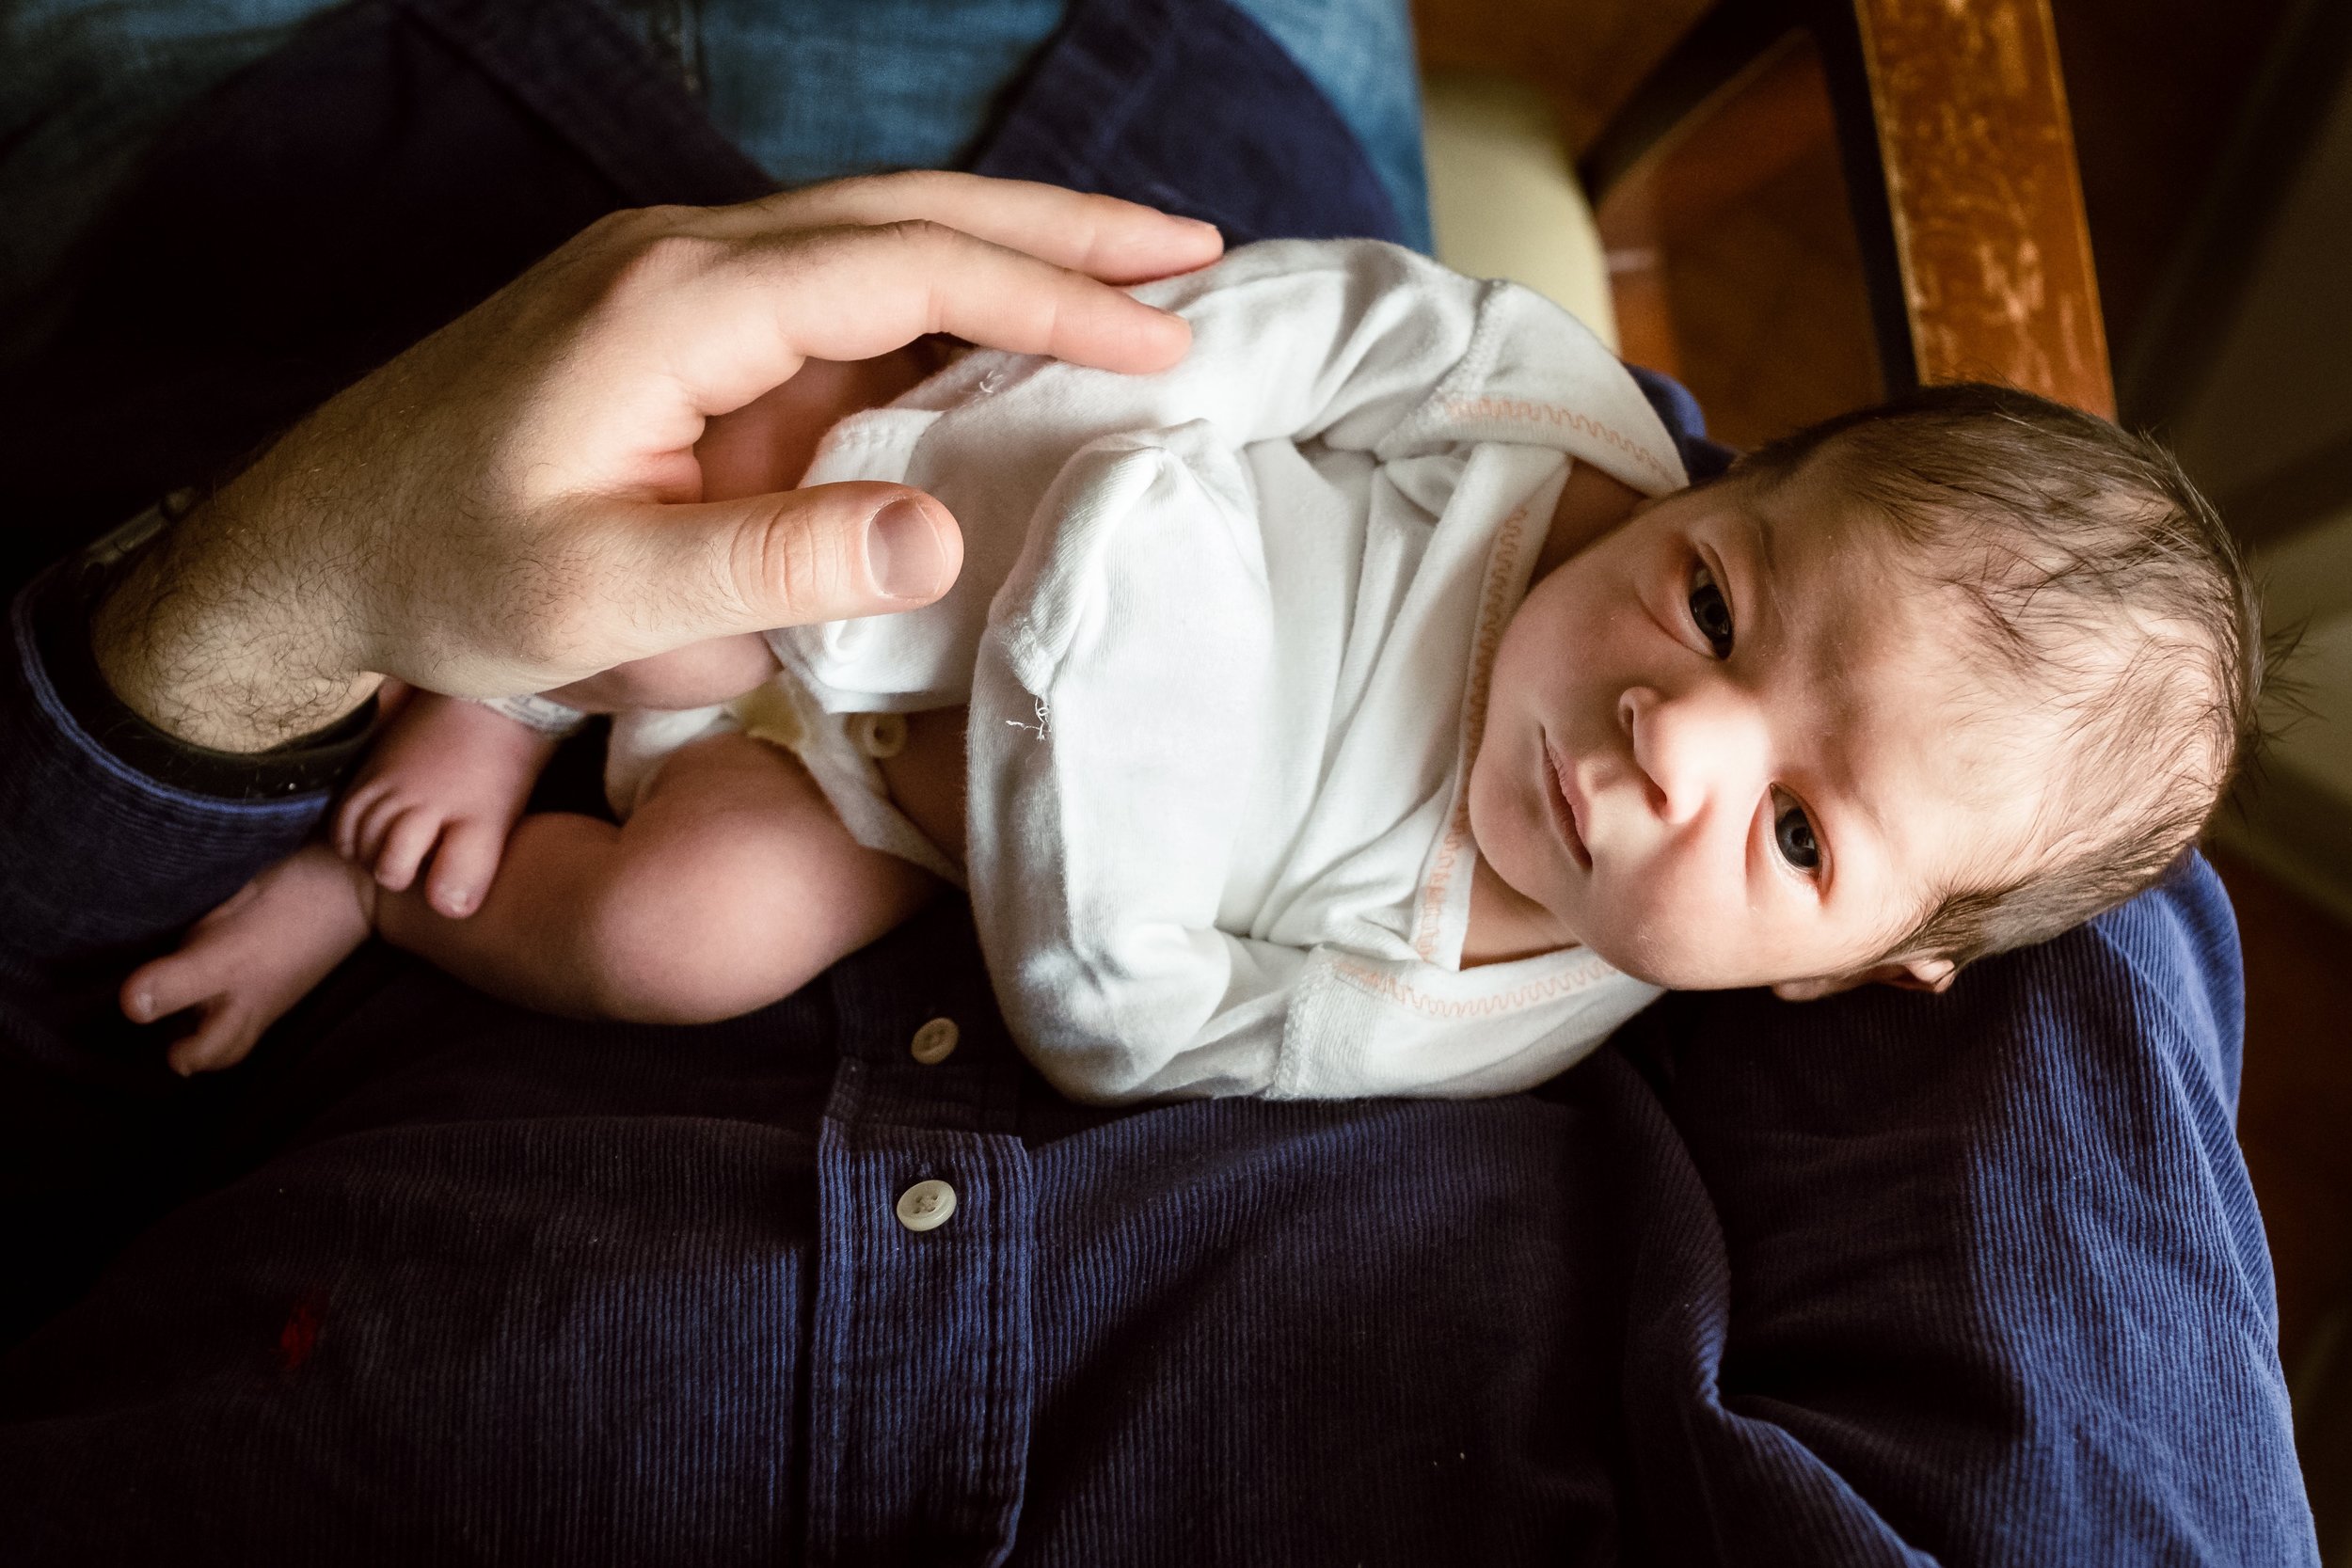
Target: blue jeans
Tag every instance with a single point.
(825, 87)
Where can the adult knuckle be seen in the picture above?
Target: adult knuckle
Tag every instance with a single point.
(775, 563)
(858, 197)
(614, 234)
(552, 616)
(601, 232)
(877, 198)
(639, 224)
(658, 263)
(922, 233)
(907, 192)
(1095, 223)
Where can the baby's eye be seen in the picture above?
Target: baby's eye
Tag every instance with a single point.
(1710, 611)
(1793, 832)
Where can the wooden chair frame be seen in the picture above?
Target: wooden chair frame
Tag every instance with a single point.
(1960, 168)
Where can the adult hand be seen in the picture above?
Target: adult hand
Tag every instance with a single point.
(515, 503)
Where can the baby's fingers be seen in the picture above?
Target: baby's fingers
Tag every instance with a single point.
(224, 1035)
(353, 816)
(463, 867)
(408, 838)
(224, 1032)
(350, 812)
(164, 986)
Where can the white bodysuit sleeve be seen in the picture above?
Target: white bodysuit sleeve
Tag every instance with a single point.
(1099, 851)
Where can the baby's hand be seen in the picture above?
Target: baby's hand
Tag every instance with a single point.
(447, 779)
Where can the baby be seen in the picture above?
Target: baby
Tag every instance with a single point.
(1365, 706)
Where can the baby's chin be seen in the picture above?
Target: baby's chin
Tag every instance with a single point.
(1693, 972)
(1672, 970)
(1647, 966)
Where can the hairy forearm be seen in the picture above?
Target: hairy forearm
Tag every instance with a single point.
(218, 634)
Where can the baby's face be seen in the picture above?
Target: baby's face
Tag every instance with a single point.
(1723, 746)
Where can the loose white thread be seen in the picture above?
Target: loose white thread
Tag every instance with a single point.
(1039, 728)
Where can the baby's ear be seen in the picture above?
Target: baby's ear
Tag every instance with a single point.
(1928, 975)
(1932, 976)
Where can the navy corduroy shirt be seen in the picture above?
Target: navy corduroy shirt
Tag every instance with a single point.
(1887, 1278)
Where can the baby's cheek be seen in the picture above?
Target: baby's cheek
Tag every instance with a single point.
(1640, 926)
(1503, 827)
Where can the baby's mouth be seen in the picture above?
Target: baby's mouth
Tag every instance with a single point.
(1563, 806)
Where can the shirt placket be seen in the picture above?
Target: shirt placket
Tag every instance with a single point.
(921, 1362)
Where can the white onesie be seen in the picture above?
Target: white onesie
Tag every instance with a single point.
(1225, 634)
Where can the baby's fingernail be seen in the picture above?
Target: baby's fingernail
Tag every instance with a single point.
(141, 1006)
(902, 551)
(1204, 227)
(457, 902)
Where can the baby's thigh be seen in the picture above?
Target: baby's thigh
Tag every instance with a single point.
(735, 884)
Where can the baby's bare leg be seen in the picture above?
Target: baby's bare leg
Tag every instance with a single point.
(732, 884)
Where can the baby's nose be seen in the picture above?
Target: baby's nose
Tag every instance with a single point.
(1694, 748)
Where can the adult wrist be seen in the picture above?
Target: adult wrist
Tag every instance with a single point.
(59, 610)
(196, 631)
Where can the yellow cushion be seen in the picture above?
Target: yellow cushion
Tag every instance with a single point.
(1504, 199)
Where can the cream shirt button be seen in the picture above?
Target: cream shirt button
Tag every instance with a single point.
(927, 1205)
(879, 734)
(935, 1041)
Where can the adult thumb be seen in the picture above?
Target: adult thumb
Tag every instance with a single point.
(830, 553)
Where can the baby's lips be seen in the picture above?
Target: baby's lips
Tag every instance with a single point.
(1566, 810)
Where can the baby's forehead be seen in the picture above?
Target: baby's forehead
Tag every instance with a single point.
(1846, 589)
(1950, 797)
(1865, 606)
(1906, 709)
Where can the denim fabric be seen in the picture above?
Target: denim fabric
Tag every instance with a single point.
(858, 85)
(832, 87)
(808, 89)
(1886, 1278)
(1118, 102)
(1360, 53)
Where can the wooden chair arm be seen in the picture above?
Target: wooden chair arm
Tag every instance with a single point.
(1960, 169)
(1977, 157)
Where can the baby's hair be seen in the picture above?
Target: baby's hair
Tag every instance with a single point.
(2107, 588)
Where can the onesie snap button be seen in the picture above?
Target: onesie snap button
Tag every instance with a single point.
(927, 1205)
(935, 1041)
(879, 734)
